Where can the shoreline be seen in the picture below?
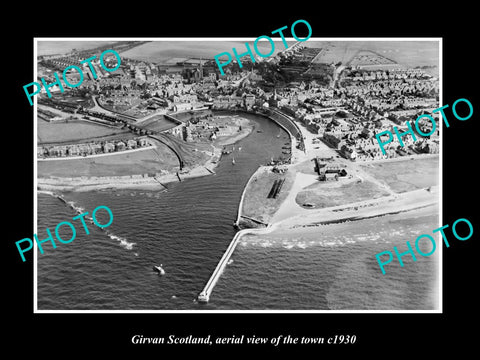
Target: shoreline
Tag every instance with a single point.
(138, 181)
(367, 209)
(127, 181)
(92, 183)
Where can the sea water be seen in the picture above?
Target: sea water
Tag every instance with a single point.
(188, 228)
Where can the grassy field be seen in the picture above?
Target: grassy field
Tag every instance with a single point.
(333, 193)
(406, 175)
(141, 162)
(306, 167)
(72, 131)
(256, 204)
(410, 53)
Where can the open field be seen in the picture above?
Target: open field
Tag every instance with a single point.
(306, 167)
(408, 53)
(141, 162)
(332, 193)
(256, 204)
(406, 175)
(68, 97)
(72, 131)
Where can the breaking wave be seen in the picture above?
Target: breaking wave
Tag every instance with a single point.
(123, 242)
(303, 242)
(80, 210)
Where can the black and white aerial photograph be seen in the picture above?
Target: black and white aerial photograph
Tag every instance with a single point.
(221, 180)
(261, 189)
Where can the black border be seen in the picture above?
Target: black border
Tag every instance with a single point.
(92, 334)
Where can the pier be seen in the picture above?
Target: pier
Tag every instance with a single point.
(204, 296)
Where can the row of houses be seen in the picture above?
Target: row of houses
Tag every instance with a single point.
(370, 150)
(391, 87)
(92, 148)
(386, 75)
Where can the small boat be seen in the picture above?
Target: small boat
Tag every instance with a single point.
(233, 161)
(159, 269)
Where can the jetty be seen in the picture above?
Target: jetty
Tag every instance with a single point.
(204, 295)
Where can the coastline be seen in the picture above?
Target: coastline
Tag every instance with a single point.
(91, 183)
(405, 202)
(129, 181)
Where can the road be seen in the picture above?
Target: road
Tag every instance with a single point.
(100, 109)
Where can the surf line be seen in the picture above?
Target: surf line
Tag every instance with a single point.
(419, 251)
(70, 225)
(122, 241)
(79, 210)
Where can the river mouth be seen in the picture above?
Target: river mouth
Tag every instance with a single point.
(186, 228)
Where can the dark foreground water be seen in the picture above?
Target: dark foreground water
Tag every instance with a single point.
(187, 230)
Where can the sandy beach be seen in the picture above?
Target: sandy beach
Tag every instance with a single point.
(124, 182)
(247, 128)
(361, 210)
